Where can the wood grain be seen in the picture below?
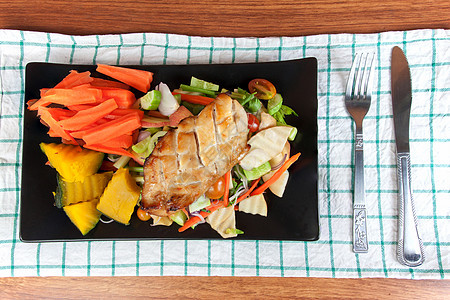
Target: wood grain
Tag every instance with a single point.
(220, 288)
(222, 18)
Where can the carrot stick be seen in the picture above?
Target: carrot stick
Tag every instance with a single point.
(123, 98)
(43, 91)
(122, 141)
(226, 194)
(245, 195)
(74, 79)
(195, 99)
(138, 79)
(110, 150)
(88, 116)
(80, 133)
(276, 175)
(112, 129)
(46, 116)
(60, 113)
(68, 97)
(119, 112)
(99, 83)
(80, 107)
(194, 220)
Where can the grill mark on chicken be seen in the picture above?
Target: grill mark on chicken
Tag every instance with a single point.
(189, 159)
(216, 130)
(177, 154)
(197, 144)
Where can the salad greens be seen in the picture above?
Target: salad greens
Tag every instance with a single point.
(241, 181)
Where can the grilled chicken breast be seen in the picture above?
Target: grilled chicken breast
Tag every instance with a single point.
(192, 157)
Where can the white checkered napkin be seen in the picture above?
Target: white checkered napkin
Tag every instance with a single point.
(429, 58)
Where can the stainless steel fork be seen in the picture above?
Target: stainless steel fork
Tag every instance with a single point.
(357, 101)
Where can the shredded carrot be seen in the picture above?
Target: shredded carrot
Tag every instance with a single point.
(245, 195)
(276, 175)
(226, 194)
(89, 116)
(139, 79)
(195, 99)
(194, 220)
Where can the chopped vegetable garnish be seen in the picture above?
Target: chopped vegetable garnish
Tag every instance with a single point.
(103, 115)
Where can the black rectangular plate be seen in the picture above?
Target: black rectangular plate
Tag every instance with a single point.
(293, 217)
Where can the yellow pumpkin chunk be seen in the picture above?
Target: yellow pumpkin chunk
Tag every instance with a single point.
(84, 215)
(120, 197)
(92, 187)
(73, 163)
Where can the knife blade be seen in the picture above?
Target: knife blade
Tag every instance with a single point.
(410, 247)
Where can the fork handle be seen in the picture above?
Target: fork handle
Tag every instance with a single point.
(360, 244)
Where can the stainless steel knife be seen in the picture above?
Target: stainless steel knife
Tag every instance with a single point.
(410, 248)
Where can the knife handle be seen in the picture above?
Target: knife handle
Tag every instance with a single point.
(410, 248)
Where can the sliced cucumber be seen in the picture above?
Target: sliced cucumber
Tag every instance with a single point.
(151, 100)
(274, 104)
(179, 217)
(200, 203)
(293, 133)
(146, 146)
(257, 172)
(199, 83)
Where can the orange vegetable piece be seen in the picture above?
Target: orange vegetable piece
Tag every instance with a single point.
(47, 117)
(74, 79)
(68, 97)
(88, 116)
(138, 79)
(276, 175)
(123, 98)
(122, 141)
(195, 99)
(117, 113)
(105, 83)
(110, 150)
(112, 129)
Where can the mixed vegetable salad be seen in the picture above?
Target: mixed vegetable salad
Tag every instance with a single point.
(107, 133)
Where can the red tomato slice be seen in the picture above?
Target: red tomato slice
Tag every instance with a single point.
(253, 123)
(264, 89)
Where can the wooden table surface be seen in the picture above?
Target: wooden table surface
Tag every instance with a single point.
(222, 18)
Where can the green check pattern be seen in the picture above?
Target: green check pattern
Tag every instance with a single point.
(429, 57)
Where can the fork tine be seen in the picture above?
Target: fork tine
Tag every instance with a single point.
(349, 91)
(359, 77)
(367, 90)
